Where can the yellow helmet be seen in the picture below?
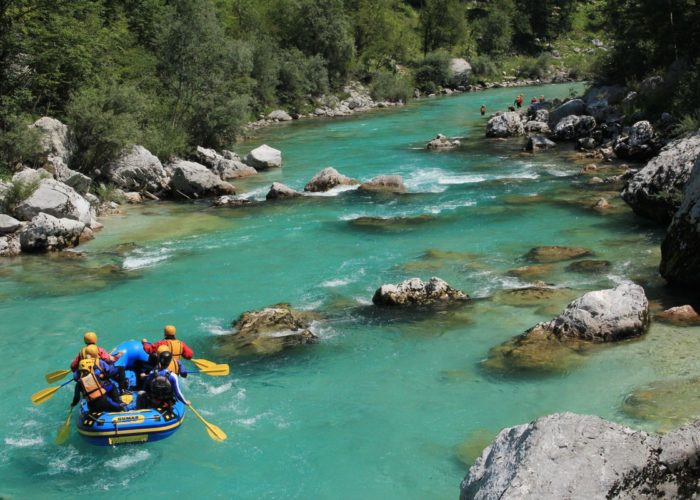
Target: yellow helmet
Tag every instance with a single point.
(86, 365)
(163, 348)
(92, 350)
(90, 338)
(169, 331)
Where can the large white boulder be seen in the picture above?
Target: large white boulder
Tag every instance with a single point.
(225, 168)
(415, 292)
(136, 169)
(507, 124)
(53, 137)
(47, 233)
(328, 178)
(57, 199)
(264, 157)
(194, 180)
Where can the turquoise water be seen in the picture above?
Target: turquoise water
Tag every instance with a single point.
(385, 405)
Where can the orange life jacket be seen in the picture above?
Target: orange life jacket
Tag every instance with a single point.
(176, 350)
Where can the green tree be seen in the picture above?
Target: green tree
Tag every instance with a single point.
(496, 29)
(442, 24)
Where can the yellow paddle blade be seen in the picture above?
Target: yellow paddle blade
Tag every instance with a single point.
(214, 432)
(56, 376)
(216, 370)
(44, 395)
(64, 430)
(203, 363)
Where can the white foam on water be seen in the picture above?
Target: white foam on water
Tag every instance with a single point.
(145, 258)
(214, 327)
(364, 301)
(256, 194)
(461, 179)
(336, 282)
(322, 330)
(426, 180)
(24, 442)
(215, 390)
(335, 191)
(436, 209)
(251, 421)
(126, 461)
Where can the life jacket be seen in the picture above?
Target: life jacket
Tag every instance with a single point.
(519, 99)
(83, 353)
(90, 383)
(161, 389)
(176, 350)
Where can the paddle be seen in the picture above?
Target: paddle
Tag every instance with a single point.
(64, 430)
(214, 371)
(203, 363)
(45, 394)
(214, 432)
(56, 376)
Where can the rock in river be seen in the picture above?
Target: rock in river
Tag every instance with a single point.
(136, 169)
(328, 178)
(415, 292)
(507, 124)
(556, 253)
(387, 183)
(226, 168)
(264, 157)
(47, 233)
(267, 331)
(580, 456)
(57, 199)
(279, 191)
(193, 179)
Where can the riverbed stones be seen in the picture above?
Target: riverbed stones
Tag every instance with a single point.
(442, 142)
(508, 124)
(10, 245)
(565, 455)
(48, 233)
(225, 168)
(656, 191)
(556, 253)
(136, 169)
(639, 144)
(57, 199)
(680, 259)
(264, 157)
(667, 404)
(536, 127)
(538, 143)
(680, 315)
(569, 108)
(415, 292)
(384, 183)
(268, 331)
(279, 191)
(194, 180)
(279, 115)
(529, 272)
(589, 266)
(327, 179)
(573, 127)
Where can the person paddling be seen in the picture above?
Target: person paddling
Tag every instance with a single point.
(178, 348)
(94, 384)
(90, 339)
(162, 386)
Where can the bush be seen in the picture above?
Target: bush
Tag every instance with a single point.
(536, 68)
(18, 143)
(688, 124)
(16, 194)
(102, 121)
(484, 68)
(434, 72)
(109, 192)
(300, 78)
(390, 87)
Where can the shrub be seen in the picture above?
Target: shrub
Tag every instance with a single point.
(18, 143)
(688, 124)
(16, 194)
(109, 192)
(300, 78)
(483, 67)
(390, 87)
(536, 68)
(433, 72)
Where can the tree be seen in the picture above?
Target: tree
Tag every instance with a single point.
(496, 29)
(442, 24)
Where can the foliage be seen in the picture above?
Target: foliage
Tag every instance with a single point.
(109, 192)
(390, 87)
(433, 72)
(16, 193)
(688, 124)
(536, 68)
(18, 143)
(496, 29)
(442, 24)
(484, 68)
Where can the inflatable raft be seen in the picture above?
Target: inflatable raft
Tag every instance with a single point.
(134, 426)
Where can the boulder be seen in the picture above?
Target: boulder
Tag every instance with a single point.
(680, 315)
(231, 201)
(640, 144)
(603, 316)
(57, 199)
(9, 245)
(656, 191)
(680, 259)
(264, 157)
(53, 138)
(589, 266)
(442, 142)
(279, 191)
(613, 94)
(328, 178)
(279, 115)
(225, 168)
(388, 183)
(565, 455)
(536, 127)
(538, 143)
(414, 292)
(136, 169)
(8, 224)
(267, 331)
(460, 71)
(80, 182)
(556, 253)
(194, 180)
(507, 124)
(29, 176)
(573, 107)
(574, 127)
(48, 233)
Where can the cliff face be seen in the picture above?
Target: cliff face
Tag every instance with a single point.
(579, 456)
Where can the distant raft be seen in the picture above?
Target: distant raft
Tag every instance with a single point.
(134, 426)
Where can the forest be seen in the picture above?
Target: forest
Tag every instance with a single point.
(173, 74)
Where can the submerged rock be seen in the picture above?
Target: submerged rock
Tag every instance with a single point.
(656, 191)
(443, 142)
(507, 124)
(327, 179)
(556, 253)
(534, 295)
(414, 292)
(279, 191)
(231, 201)
(667, 404)
(579, 456)
(589, 266)
(264, 157)
(389, 223)
(267, 331)
(681, 316)
(387, 183)
(536, 271)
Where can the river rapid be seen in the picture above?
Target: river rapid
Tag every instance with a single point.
(386, 405)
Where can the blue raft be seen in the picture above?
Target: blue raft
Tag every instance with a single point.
(134, 426)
